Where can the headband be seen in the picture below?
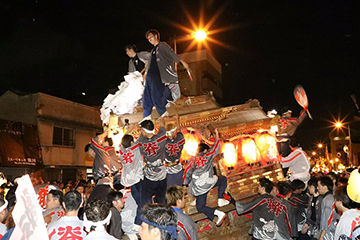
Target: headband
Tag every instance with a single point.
(88, 224)
(149, 131)
(171, 229)
(168, 133)
(3, 207)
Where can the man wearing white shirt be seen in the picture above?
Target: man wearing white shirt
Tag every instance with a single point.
(350, 217)
(97, 216)
(69, 226)
(298, 164)
(54, 210)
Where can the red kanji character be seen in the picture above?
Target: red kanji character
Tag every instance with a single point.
(51, 234)
(150, 148)
(128, 157)
(199, 161)
(69, 233)
(60, 214)
(42, 194)
(172, 149)
(274, 206)
(284, 123)
(355, 222)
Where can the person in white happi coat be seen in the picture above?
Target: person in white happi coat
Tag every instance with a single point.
(96, 217)
(132, 173)
(128, 215)
(298, 164)
(54, 210)
(69, 226)
(350, 217)
(201, 179)
(173, 148)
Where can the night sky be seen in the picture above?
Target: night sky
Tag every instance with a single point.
(66, 47)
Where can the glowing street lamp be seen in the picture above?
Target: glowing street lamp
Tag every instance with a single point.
(313, 153)
(339, 125)
(200, 35)
(320, 145)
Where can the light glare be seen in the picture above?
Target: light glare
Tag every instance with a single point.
(200, 35)
(230, 155)
(338, 124)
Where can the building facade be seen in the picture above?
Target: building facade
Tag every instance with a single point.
(63, 128)
(205, 72)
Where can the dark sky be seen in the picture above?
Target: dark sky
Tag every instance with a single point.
(66, 47)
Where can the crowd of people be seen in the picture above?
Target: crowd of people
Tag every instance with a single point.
(319, 209)
(290, 210)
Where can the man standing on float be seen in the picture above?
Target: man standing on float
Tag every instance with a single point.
(138, 60)
(161, 84)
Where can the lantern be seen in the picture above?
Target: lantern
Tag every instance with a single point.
(230, 154)
(266, 144)
(353, 188)
(250, 152)
(192, 141)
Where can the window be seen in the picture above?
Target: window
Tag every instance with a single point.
(63, 136)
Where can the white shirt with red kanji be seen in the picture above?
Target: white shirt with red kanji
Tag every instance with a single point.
(55, 213)
(67, 227)
(42, 191)
(348, 221)
(132, 162)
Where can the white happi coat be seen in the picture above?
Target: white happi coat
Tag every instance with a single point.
(128, 213)
(298, 164)
(55, 213)
(66, 228)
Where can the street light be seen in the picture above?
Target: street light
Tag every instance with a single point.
(339, 125)
(199, 35)
(320, 146)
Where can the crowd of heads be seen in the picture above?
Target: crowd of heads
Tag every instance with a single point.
(159, 220)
